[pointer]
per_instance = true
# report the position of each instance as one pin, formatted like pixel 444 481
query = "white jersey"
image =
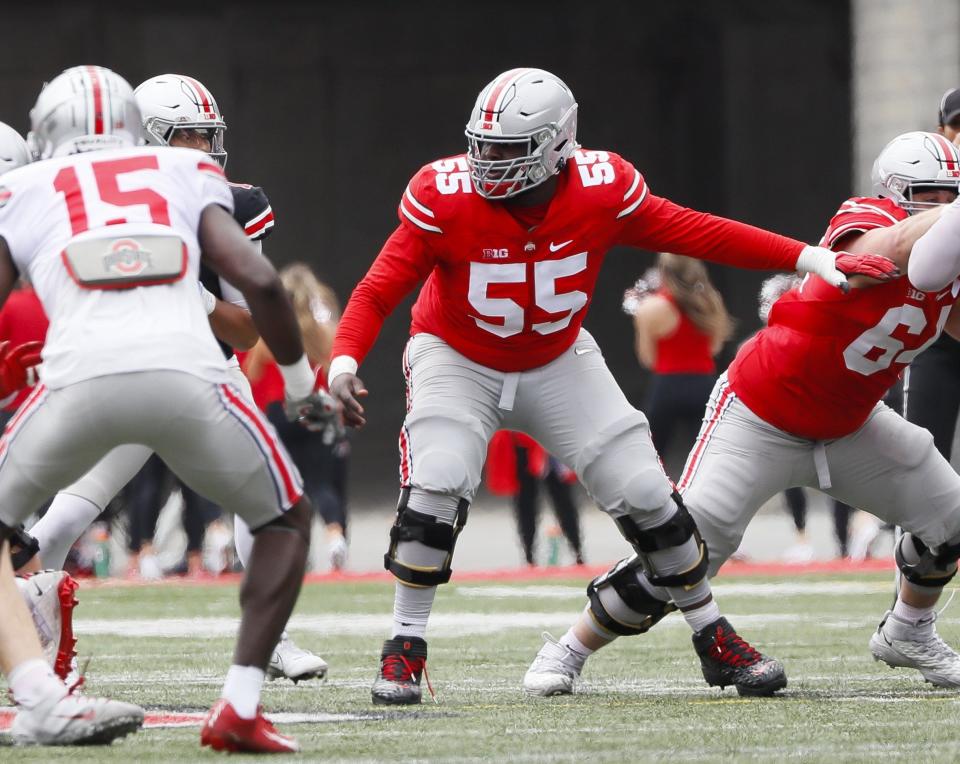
pixel 107 204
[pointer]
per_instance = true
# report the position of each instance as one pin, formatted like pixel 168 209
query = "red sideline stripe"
pixel 289 485
pixel 97 100
pixel 525 573
pixel 10 431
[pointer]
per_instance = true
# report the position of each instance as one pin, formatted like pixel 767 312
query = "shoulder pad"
pixel 861 213
pixel 252 210
pixel 433 192
pixel 610 179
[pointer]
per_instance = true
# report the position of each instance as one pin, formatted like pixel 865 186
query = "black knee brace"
pixel 675 532
pixel 933 569
pixel 429 531
pixel 623 579
pixel 23 546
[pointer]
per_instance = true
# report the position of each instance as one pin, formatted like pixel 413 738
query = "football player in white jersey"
pixel 179 111
pixel 111 236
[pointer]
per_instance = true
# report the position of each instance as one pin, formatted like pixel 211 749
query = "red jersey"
pixel 22 319
pixel 512 298
pixel 686 350
pixel 826 357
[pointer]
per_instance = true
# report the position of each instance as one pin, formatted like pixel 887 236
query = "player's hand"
pixel 877 268
pixel 347 389
pixel 317 412
pixel 834 267
pixel 16 366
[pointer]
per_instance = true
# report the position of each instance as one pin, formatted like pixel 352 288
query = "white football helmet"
pixel 913 162
pixel 529 108
pixel 13 149
pixel 85 108
pixel 177 102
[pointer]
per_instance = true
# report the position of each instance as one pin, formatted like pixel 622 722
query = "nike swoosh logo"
pixel 582 351
pixel 557 247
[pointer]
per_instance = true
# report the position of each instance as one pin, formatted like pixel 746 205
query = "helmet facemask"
pixel 902 189
pixel 160 131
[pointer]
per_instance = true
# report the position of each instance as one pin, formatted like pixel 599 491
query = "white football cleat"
pixel 906 644
pixel 554 671
pixel 51 597
pixel 295 663
pixel 75 720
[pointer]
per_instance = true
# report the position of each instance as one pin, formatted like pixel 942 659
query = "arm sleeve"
pixel 662 226
pixel 935 258
pixel 404 261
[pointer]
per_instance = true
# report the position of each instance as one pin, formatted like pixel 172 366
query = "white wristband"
pixel 821 262
pixel 209 299
pixel 298 379
pixel 342 364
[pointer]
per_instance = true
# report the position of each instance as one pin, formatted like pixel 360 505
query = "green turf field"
pixel 642 698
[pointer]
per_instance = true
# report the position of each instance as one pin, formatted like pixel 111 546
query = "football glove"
pixel 16 366
pixel 318 412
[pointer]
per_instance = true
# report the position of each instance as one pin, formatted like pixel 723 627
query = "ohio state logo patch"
pixel 126 257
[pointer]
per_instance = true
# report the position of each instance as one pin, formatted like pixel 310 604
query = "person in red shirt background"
pixel 22 319
pixel 321 456
pixel 517 466
pixel 678 329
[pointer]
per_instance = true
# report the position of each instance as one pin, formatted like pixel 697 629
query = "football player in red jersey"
pixel 510 238
pixel 800 405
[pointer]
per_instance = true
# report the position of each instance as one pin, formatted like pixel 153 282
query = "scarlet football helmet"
pixel 85 108
pixel 912 162
pixel 529 108
pixel 13 149
pixel 176 102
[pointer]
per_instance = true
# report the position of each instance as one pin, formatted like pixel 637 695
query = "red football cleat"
pixel 224 730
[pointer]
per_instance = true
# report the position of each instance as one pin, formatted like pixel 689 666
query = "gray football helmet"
pixel 915 161
pixel 172 102
pixel 86 108
pixel 13 149
pixel 526 108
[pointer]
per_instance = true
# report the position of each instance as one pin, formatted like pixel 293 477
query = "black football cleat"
pixel 726 659
pixel 403 661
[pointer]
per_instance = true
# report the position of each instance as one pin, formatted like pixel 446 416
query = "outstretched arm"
pixel 659 224
pixel 404 262
pixel 935 258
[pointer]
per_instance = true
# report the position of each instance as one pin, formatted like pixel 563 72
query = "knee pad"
pixel 638 610
pixel 442 450
pixel 296 519
pixel 923 566
pixel 679 531
pixel 621 470
pixel 430 531
pixel 23 546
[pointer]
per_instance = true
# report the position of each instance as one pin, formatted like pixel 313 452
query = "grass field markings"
pixel 449 623
pixel 826 588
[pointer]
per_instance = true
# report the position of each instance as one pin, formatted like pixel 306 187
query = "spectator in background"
pixel 680 324
pixel 516 466
pixel 321 457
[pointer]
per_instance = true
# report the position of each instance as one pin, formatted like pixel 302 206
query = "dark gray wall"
pixel 740 108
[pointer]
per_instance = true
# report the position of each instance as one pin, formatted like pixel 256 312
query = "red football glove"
pixel 15 364
pixel 872 266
